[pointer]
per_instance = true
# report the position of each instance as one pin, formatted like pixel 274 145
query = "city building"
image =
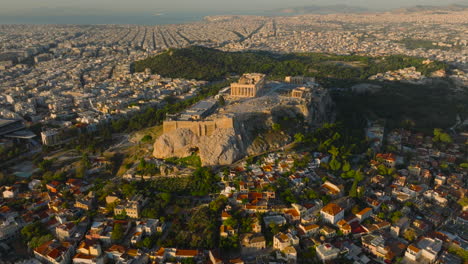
pixel 282 240
pixel 199 111
pixel 50 137
pixel 251 243
pixel 426 249
pixel 364 213
pixel 9 228
pixel 131 207
pixel 332 213
pixel 327 252
pixel 53 252
pixel 65 231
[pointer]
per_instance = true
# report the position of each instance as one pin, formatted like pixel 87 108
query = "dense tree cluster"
pixel 200 229
pixel 147 168
pixel 211 64
pixel 35 234
pixel 117 232
pixel 412 44
pixel 416 107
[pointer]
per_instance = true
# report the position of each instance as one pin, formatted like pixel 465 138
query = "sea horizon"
pixel 135 19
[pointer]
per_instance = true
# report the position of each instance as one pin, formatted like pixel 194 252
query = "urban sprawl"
pixel 79 187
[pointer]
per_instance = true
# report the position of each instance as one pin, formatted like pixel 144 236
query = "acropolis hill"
pixel 223 134
pixel 199 128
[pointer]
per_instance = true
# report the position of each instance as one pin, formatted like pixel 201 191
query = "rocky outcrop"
pixel 251 132
pixel 221 148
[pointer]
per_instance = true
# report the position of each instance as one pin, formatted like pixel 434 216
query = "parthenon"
pixel 248 85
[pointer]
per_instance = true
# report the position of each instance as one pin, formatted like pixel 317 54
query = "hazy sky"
pixel 92 7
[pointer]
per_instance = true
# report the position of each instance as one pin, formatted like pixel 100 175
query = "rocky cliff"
pixel 221 148
pixel 252 132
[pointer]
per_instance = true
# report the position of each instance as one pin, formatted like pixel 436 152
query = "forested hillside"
pixel 211 64
pixel 421 106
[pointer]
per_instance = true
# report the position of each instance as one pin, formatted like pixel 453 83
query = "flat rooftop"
pixel 202 105
pixel 5 122
pixel 10 125
pixel 24 134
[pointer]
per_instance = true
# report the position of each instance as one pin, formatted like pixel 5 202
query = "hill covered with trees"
pixel 422 107
pixel 210 64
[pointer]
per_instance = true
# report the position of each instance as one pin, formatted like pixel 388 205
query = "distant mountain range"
pixel 316 9
pixel 343 8
pixel 421 8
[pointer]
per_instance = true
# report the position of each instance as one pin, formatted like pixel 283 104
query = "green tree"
pixel 203 181
pixel 45 165
pixel 217 204
pixel 39 240
pixel 229 243
pixel 410 234
pixel 128 189
pixel 276 127
pixel 121 216
pixel 346 166
pixel 335 165
pixel 353 192
pixel 221 101
pixel 147 139
pixel 147 242
pixel 395 216
pixel 463 201
pixel 334 151
pixel 359 176
pixel 459 251
pixel 311 194
pixel 85 160
pixel 32 230
pixel 355 209
pixel 35 234
pixel 385 171
pixel 310 255
pixel 299 137
pixel 440 136
pixel 232 222
pixel 288 196
pixel 166 197
pixel 274 228
pixel 117 233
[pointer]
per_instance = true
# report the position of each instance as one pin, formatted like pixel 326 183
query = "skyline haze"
pixel 121 7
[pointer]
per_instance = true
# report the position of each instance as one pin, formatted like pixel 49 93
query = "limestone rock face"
pixel 250 132
pixel 177 144
pixel 223 147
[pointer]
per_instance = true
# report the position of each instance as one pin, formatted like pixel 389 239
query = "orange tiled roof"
pixel 4 209
pixel 342 222
pixel 292 212
pixel 225 214
pixel 186 252
pixel 311 227
pixel 332 209
pixel 413 248
pixel 387 156
pixel 118 248
pixel 364 211
pixel 42 248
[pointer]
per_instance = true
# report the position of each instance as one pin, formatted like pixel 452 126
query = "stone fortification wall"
pixel 199 128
